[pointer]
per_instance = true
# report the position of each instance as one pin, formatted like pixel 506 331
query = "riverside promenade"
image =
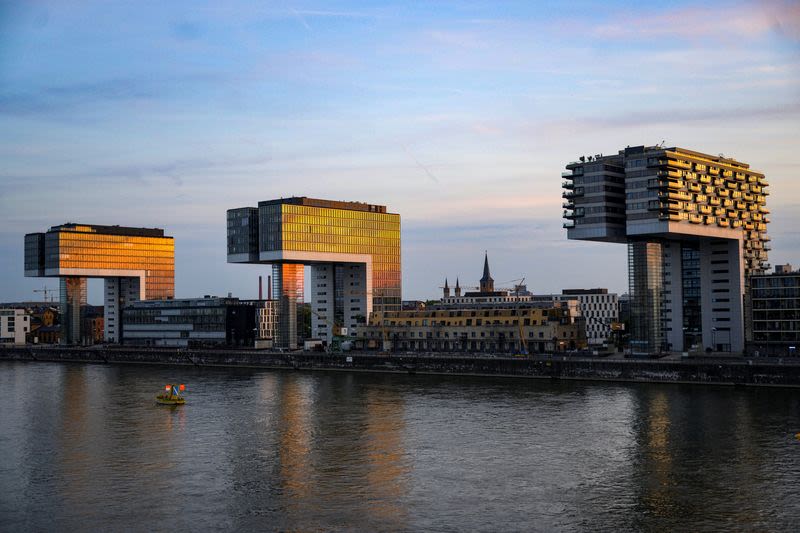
pixel 734 371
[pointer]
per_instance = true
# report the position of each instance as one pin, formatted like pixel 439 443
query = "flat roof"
pixel 109 230
pixel 330 204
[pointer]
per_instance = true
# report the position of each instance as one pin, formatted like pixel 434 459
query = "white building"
pixel 14 325
pixel 599 307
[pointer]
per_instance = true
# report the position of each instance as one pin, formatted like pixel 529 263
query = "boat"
pixel 172 395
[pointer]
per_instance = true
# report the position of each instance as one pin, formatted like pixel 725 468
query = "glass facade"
pixel 310 228
pixel 243 232
pixel 645 286
pixel 140 258
pixel 290 231
pixel 75 247
pixel 191 323
pixel 690 284
pixel 72 304
pixel 287 289
pixel 776 313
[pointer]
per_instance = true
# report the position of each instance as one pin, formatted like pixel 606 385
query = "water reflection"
pixel 296 451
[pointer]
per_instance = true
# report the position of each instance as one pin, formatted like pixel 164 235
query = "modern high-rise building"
pixel 695 225
pixel 135 263
pixel 353 249
pixel 775 306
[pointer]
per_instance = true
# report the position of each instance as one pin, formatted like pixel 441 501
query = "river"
pixel 84 447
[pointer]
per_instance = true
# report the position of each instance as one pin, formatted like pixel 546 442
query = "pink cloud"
pixel 750 21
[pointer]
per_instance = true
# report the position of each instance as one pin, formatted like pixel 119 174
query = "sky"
pixel 458 115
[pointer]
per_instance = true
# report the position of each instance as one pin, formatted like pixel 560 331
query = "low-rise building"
pixel 14 326
pixel 599 307
pixel 502 328
pixel 775 307
pixel 209 321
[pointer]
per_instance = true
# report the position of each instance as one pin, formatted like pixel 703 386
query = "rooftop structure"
pixel 135 263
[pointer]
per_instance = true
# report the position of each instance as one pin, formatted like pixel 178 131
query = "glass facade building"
pixel 321 233
pixel 136 264
pixel 192 322
pixel 775 304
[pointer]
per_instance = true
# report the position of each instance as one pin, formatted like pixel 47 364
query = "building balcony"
pixel 705 179
pixel 723 223
pixel 724 193
pixel 766 246
pixel 680 164
pixel 567 184
pixel 669 174
pixel 568 225
pixel 713 171
pixel 674 195
pixel 571 215
pixel 695 219
pixel 714 201
pixel 572 194
pixel 568 205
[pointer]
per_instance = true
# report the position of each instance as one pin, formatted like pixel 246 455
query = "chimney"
pixel 260 293
pixel 269 287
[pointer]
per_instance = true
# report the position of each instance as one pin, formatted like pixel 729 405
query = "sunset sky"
pixel 458 115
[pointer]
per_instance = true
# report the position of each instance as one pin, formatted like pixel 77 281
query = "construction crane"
pixel 46 291
pixel 337 338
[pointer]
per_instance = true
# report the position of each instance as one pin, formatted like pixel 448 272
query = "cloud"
pixel 47 100
pixel 670 115
pixel 726 23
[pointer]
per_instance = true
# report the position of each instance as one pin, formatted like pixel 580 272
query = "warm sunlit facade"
pixel 136 264
pixel 353 249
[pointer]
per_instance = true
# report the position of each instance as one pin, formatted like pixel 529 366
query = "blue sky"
pixel 458 115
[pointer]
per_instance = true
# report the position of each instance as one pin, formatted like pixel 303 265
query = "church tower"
pixel 446 289
pixel 487 283
pixel 458 289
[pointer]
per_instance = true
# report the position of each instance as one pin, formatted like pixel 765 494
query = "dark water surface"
pixel 83 447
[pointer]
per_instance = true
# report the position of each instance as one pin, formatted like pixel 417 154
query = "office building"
pixel 695 225
pixel 775 303
pixel 353 250
pixel 197 322
pixel 14 326
pixel 135 264
pixel 499 328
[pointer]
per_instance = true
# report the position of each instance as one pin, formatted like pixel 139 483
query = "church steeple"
pixel 487 283
pixel 446 289
pixel 458 289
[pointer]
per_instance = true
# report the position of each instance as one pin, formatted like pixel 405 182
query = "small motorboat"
pixel 172 395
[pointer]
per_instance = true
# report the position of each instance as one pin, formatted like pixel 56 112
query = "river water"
pixel 84 447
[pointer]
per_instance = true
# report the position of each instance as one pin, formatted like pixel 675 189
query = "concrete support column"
pixel 287 289
pixel 72 302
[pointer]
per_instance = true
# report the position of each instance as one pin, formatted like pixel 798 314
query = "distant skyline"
pixel 460 116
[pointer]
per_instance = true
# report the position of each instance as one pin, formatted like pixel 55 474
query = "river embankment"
pixel 716 371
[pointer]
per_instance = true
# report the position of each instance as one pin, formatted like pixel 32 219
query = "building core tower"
pixel 353 249
pixel 695 225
